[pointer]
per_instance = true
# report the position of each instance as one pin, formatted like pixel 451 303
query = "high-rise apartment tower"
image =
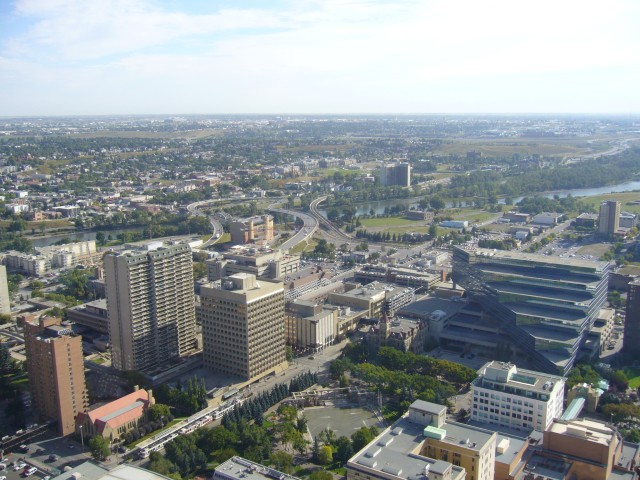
pixel 609 218
pixel 55 367
pixel 395 174
pixel 5 304
pixel 631 339
pixel 151 305
pixel 243 326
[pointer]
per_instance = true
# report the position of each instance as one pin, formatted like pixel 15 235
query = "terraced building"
pixel 546 305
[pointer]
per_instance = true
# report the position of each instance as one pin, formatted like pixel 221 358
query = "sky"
pixel 105 57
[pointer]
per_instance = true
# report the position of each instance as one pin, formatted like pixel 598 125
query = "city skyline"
pixel 107 57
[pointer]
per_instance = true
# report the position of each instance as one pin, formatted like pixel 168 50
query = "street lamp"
pixel 81 438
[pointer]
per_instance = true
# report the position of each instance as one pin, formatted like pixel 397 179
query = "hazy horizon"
pixel 331 57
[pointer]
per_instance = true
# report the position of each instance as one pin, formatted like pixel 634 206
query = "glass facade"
pixel 547 305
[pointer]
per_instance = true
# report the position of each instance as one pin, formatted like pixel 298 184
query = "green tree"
pixel 199 270
pixel 320 475
pixel 75 282
pixel 282 461
pixel 325 456
pixel 363 436
pixel 344 449
pixel 100 238
pixel 161 465
pixel 99 448
pixel 289 353
pixel 157 411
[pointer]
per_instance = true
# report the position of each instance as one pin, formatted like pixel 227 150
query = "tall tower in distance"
pixel 151 305
pixel 243 326
pixel 55 367
pixel 5 304
pixel 631 338
pixel 609 218
pixel 395 174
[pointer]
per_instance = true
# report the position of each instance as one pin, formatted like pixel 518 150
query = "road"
pixel 216 226
pixel 310 226
pixel 618 147
pixel 333 232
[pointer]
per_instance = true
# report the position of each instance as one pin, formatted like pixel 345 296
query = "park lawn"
pixel 473 215
pixel 389 222
pixel 633 374
pixel 623 198
pixel 224 238
pixel 407 229
pixel 304 246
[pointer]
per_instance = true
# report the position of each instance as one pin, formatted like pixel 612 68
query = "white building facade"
pixel 516 398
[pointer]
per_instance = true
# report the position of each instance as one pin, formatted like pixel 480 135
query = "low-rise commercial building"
pixel 263 263
pixel 423 444
pixel 314 325
pixel 238 468
pixel 94 315
pixel 376 297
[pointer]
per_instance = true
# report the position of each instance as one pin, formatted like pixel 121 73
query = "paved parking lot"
pixel 69 452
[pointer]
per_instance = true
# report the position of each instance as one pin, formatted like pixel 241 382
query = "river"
pixel 379 206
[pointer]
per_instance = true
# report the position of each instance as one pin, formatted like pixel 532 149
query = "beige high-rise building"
pixel 609 218
pixel 5 304
pixel 151 305
pixel 243 326
pixel 55 367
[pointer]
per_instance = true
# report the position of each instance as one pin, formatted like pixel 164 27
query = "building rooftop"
pixel 89 471
pixel 241 468
pixel 425 307
pixel 395 452
pixel 534 258
pixel 118 412
pixel 590 430
pixel 508 374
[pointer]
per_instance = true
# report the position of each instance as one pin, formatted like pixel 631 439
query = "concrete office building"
pixel 516 398
pixel 584 449
pixel 547 306
pixel 243 326
pixel 251 230
pixel 5 304
pixel 55 367
pixel 631 339
pixel 151 304
pixel 262 262
pixel 395 174
pixel 310 326
pixel 376 297
pixel 93 315
pixel 608 220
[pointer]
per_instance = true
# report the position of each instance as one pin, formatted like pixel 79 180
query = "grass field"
pixel 623 198
pixel 525 146
pixel 304 246
pixel 390 222
pixel 633 374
